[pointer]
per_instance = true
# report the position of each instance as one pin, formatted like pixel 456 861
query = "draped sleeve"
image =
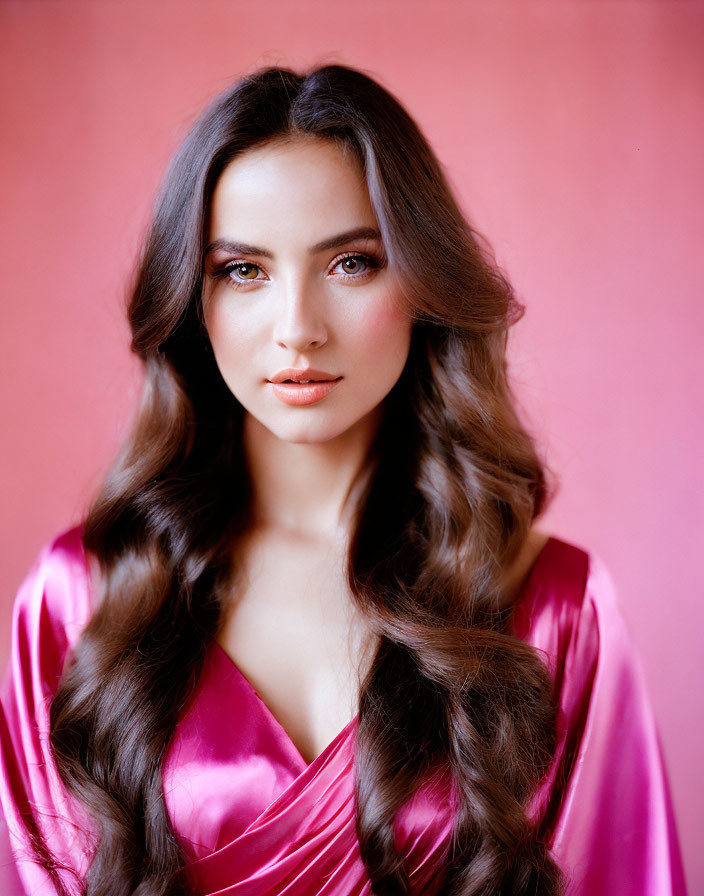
pixel 49 612
pixel 606 809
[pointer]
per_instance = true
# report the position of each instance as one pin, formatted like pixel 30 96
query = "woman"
pixel 308 640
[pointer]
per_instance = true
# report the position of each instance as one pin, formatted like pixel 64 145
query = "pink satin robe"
pixel 254 819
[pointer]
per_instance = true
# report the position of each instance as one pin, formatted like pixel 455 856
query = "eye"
pixel 240 271
pixel 356 267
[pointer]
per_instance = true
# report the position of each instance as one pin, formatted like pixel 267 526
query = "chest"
pixel 254 816
pixel 294 633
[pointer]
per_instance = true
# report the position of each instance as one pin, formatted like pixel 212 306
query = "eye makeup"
pixel 236 271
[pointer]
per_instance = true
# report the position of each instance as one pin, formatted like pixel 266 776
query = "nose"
pixel 299 322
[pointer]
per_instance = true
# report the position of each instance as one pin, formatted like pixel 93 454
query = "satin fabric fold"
pixel 303 839
pixel 253 818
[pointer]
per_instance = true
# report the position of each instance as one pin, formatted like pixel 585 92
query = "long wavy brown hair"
pixel 455 483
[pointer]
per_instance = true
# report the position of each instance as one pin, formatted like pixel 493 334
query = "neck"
pixel 307 488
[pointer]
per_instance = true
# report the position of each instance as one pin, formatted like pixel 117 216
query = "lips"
pixel 308 374
pixel 304 393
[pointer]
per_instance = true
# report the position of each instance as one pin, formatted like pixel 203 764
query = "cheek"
pixel 231 348
pixel 227 331
pixel 385 329
pixel 214 320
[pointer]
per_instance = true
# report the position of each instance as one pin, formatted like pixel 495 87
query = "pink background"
pixel 574 135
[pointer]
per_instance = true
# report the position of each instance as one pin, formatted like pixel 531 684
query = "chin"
pixel 309 433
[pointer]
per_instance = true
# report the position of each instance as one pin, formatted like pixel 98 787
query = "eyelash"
pixel 223 273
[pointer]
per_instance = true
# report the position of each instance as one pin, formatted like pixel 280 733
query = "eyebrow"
pixel 359 233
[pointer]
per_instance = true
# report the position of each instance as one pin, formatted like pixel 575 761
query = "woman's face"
pixel 296 281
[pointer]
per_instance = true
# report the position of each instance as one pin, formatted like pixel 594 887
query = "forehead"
pixel 298 183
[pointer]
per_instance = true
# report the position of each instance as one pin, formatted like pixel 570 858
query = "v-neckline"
pixel 275 723
pixel 526 589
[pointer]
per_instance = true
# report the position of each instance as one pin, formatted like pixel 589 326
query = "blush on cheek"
pixel 384 324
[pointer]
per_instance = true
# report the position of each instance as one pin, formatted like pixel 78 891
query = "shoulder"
pixel 607 783
pixel 53 603
pixel 50 610
pixel 569 608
